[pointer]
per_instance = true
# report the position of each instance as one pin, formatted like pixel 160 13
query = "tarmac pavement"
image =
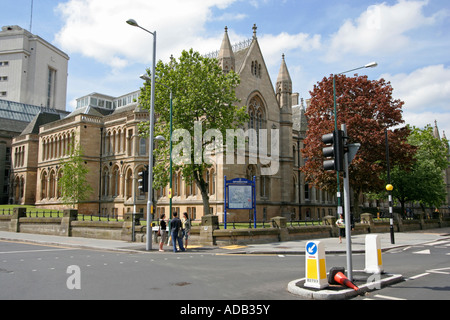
pixel 364 281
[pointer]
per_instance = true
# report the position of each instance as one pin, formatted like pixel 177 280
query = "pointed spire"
pixel 226 55
pixel 436 130
pixel 284 86
pixel 283 75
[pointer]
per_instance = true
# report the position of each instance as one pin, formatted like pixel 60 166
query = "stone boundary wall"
pixel 208 233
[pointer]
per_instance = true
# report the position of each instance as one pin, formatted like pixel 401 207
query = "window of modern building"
pixel 51 88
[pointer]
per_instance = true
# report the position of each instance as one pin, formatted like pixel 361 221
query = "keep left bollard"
pixel 374 260
pixel 315 265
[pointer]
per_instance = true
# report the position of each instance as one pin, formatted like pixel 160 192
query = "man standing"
pixel 176 232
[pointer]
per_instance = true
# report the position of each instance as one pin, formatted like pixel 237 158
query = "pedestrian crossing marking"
pixel 234 247
pixel 423 252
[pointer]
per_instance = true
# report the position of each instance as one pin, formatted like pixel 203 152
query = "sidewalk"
pixel 332 245
pixel 290 247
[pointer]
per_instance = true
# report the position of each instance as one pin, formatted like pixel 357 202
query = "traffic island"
pixel 364 281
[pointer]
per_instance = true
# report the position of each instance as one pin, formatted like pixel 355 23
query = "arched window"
pixel 142 147
pixel 257 113
pixel 106 182
pixel 44 182
pixel 115 182
pixel 129 184
pixel 257 118
pixel 51 193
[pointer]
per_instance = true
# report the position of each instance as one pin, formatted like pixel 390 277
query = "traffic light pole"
pixel 339 207
pixel 347 217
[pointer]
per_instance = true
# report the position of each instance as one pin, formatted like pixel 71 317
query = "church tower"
pixel 284 97
pixel 284 87
pixel 226 55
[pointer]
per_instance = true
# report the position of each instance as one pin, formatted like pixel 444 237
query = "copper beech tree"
pixel 367 108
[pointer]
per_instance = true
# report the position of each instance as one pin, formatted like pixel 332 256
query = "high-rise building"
pixel 32 71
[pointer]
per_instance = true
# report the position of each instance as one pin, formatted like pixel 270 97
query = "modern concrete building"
pixel 32 71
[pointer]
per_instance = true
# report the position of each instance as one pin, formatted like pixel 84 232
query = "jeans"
pixel 175 238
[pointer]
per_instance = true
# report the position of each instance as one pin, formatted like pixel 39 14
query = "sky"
pixel 409 39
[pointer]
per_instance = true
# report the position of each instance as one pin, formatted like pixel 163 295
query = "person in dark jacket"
pixel 176 233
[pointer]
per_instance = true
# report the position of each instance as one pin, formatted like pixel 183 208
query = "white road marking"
pixel 387 297
pixel 30 251
pixel 418 276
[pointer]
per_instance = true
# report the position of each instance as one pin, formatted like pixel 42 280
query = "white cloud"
pixel 426 93
pixel 381 28
pixel 97 28
pixel 273 46
pixel 428 87
pixel 420 120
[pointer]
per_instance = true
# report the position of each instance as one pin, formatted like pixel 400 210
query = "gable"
pixel 255 80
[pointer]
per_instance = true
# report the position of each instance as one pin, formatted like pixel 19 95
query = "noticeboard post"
pixel 240 194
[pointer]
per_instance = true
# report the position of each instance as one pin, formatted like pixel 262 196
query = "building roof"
pixel 40 119
pixel 24 112
pixel 92 111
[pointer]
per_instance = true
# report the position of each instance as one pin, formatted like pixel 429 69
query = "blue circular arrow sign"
pixel 311 248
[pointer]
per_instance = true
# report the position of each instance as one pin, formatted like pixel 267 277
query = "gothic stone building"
pixel 106 128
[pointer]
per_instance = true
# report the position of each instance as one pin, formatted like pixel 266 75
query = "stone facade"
pixel 115 153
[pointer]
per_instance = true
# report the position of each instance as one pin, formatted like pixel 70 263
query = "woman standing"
pixel 341 225
pixel 186 228
pixel 162 230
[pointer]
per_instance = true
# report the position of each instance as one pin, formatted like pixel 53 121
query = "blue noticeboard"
pixel 240 194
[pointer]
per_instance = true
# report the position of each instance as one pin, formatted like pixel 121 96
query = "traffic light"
pixel 335 150
pixel 143 181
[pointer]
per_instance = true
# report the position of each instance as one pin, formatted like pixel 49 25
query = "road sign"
pixel 315 265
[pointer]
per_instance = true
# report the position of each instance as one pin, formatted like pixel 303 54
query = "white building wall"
pixel 29 58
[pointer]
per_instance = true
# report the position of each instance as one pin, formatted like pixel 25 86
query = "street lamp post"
pixel 369 65
pixel 347 216
pixel 145 77
pixel 151 142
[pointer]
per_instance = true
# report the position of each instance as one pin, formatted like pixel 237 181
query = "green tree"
pixel 202 94
pixel 73 184
pixel 424 181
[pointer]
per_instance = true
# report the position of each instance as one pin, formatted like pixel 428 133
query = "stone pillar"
pixel 69 215
pixel 209 224
pixel 128 232
pixel 331 221
pixel 281 224
pixel 367 218
pixel 18 213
